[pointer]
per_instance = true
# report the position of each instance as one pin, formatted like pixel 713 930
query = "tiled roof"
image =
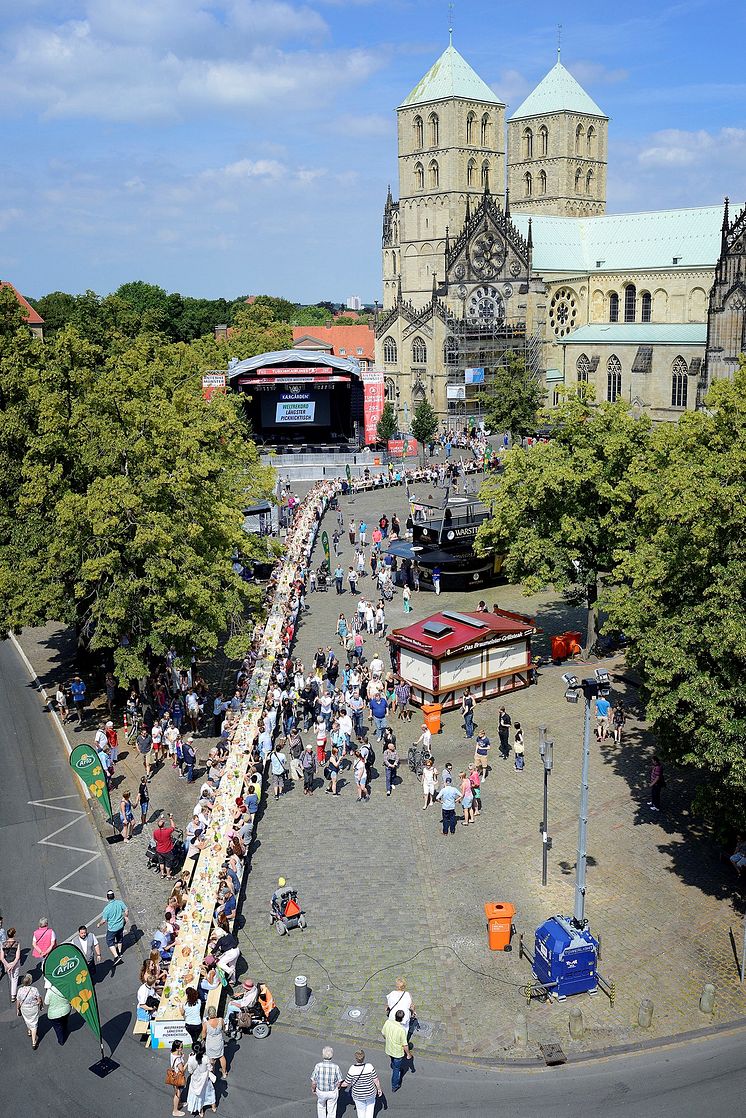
pixel 639 333
pixel 32 317
pixel 450 76
pixel 347 338
pixel 558 92
pixel 624 242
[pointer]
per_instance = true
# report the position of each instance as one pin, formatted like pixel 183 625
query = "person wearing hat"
pixel 244 998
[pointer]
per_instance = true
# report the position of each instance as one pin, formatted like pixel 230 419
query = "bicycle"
pixel 417 758
pixel 133 730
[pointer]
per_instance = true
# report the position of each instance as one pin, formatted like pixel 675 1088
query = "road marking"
pixel 50 805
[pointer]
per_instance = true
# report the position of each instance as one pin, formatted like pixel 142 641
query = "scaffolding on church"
pixel 487 347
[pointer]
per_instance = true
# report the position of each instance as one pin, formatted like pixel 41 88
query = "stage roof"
pixel 294 358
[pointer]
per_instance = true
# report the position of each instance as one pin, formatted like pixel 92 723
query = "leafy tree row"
pixel 649 522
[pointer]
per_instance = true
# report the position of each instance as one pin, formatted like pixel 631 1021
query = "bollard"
pixel 707 1001
pixel 520 1031
pixel 575 1023
pixel 302 993
pixel 645 1014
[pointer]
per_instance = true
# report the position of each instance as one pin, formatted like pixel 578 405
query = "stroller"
pixel 285 912
pixel 178 854
pixel 322 578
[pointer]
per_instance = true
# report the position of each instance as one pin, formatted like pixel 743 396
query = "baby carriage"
pixel 322 578
pixel 285 912
pixel 178 854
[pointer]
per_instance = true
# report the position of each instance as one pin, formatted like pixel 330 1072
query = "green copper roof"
pixel 558 92
pixel 639 333
pixel 450 76
pixel 624 242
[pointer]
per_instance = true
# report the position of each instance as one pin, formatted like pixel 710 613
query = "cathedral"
pixel 499 246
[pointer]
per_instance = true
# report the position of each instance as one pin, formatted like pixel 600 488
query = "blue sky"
pixel 218 147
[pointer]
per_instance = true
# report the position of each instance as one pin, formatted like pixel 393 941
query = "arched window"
pixel 434 129
pixel 471 121
pixel 485 174
pixel 486 128
pixel 630 302
pixel 434 175
pixel 679 383
pixel 613 378
pixel 613 307
pixel 450 351
pixel 528 144
pixel 544 140
pixel 389 389
pixel 646 306
pixel 419 351
pixel 579 137
pixel 471 173
pixel 389 351
pixel 583 367
pixel 419 176
pixel 542 182
pixel 529 184
pixel 419 133
pixel 590 140
pixel 589 183
pixel 578 180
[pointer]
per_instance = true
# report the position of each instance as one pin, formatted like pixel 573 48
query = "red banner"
pixel 396 448
pixel 213 382
pixel 374 397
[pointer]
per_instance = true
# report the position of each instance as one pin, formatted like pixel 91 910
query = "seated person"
pixel 226 952
pixel 244 998
pixel 163 940
pixel 147 999
pixel 210 979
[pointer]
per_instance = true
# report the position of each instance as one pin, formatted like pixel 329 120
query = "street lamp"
pixel 546 751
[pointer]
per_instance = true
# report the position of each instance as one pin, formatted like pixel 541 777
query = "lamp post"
pixel 546 751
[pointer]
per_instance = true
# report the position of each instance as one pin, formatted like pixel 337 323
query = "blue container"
pixel 567 956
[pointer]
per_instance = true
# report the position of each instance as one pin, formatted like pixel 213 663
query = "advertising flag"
pixel 85 762
pixel 374 398
pixel 325 545
pixel 65 967
pixel 348 471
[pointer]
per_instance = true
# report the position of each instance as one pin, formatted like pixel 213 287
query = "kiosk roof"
pixel 444 633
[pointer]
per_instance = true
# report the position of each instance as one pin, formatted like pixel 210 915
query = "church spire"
pixel 468 210
pixel 507 202
pixel 389 198
pixel 448 242
pixel 398 290
pixel 435 286
pixel 530 241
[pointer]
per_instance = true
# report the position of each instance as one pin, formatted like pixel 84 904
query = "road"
pixel 269 1077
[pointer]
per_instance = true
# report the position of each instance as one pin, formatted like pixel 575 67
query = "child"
pixel 518 748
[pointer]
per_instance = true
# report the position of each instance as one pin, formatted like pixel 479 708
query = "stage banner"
pixel 474 376
pixel 84 761
pixel 213 382
pixel 374 397
pixel 403 448
pixel 325 545
pixel 65 967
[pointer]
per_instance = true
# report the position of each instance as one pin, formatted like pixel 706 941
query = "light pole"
pixel 546 750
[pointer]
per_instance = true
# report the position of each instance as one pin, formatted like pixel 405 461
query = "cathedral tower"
pixel 451 143
pixel 557 150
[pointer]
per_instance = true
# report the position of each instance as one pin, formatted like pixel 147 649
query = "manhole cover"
pixel 354 1013
pixel 552 1054
pixel 425 1030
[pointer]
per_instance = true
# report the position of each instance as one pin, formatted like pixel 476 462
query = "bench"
pixel 141 1028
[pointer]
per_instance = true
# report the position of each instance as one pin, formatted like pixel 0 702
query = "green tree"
pixel 424 424
pixel 513 398
pixel 561 509
pixel 142 297
pixel 679 595
pixel 386 428
pixel 130 506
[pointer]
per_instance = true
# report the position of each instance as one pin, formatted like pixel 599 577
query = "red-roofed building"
pixel 356 342
pixel 33 318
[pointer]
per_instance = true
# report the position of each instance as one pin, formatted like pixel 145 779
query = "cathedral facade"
pixel 497 248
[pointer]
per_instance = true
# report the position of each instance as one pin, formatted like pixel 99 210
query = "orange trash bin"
pixel 559 649
pixel 573 642
pixel 431 716
pixel 499 924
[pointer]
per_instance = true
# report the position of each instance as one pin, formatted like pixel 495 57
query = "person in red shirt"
pixel 164 844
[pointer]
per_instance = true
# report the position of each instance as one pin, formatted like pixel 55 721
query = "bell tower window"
pixel 434 129
pixel 471 172
pixel 419 176
pixel 471 122
pixel 529 187
pixel 419 133
pixel 528 144
pixel 542 182
pixel 544 140
pixel 434 175
pixel 486 128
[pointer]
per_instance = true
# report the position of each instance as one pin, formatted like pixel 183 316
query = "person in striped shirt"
pixel 364 1085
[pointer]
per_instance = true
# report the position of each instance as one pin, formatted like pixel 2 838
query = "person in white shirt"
pixel 100 740
pixel 86 942
pixel 400 998
pixel 376 665
pixel 425 738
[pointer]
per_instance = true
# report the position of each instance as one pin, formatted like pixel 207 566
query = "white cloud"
pixel 675 147
pixel 595 73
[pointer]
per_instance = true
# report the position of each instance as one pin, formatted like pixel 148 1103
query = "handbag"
pixel 174 1077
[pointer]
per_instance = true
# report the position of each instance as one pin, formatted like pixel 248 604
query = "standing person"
pixel 603 708
pixel 436 579
pixel 61 700
pixel 481 753
pixel 143 800
pixel 351 531
pixel 406 595
pixel 212 1033
pixel 467 712
pixel 402 692
pixel 379 709
pixel 308 764
pixel 325 1082
pixel 193 1014
pixel 78 689
pixel 176 1075
pixel 201 1090
pixel 518 748
pixel 400 998
pixel 28 1006
pixel 114 916
pixel 42 942
pixel 126 815
pixel 332 769
pixel 58 1011
pixel 429 782
pixel 363 528
pixel 476 787
pixel 425 738
pixel 164 845
pixel 504 723
pixel 364 1085
pixel 10 960
pixel 448 797
pixel 397 1048
pixel 361 777
pixel 657 784
pixel 352 579
pixel 467 799
pixel 88 946
pixel 618 719
pixel 278 765
pixel 390 765
pixel 339 578
pixel 144 745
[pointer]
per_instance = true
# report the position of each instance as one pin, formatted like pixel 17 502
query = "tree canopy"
pixel 513 398
pixel 424 423
pixel 386 428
